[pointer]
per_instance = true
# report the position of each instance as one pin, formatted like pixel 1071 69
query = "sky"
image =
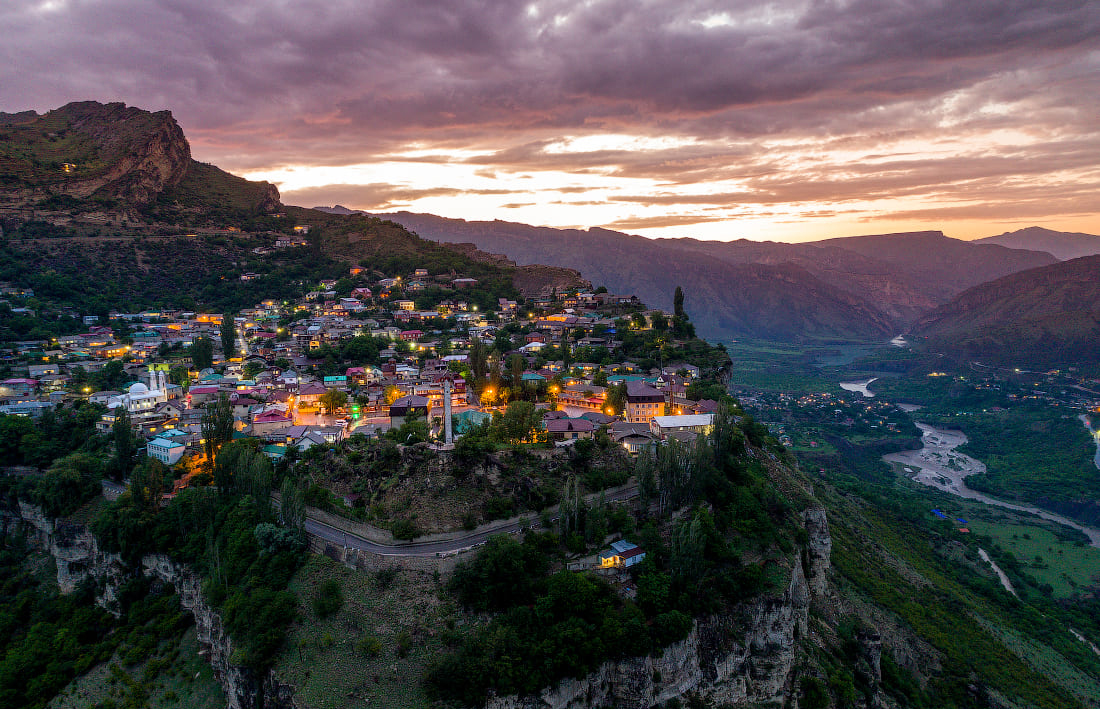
pixel 785 120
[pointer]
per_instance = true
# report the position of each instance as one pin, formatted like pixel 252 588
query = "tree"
pixel 479 360
pixel 516 365
pixel 678 303
pixel 616 398
pixel 229 335
pixel 292 505
pixel 217 426
pixel 202 353
pixel 124 441
pixel 334 399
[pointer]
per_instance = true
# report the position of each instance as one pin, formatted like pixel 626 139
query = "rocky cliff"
pixel 79 557
pixel 747 656
pixel 89 149
pixel 90 158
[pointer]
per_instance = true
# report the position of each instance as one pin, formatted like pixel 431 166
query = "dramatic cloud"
pixel 700 117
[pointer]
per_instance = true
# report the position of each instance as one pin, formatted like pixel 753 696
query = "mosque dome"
pixel 138 388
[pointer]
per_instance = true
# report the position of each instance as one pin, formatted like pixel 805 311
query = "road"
pixel 350 540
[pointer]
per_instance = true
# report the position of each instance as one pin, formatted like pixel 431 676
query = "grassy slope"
pixel 321 658
pixel 906 571
pixel 188 682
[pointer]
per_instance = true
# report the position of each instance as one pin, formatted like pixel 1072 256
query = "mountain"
pixel 106 208
pixel 1045 316
pixel 1063 245
pixel 89 157
pixel 857 287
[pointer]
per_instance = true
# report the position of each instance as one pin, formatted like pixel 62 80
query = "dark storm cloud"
pixel 348 81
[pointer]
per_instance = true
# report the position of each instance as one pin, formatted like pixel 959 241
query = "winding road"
pixel 440 547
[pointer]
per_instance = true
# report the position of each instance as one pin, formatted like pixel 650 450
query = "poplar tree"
pixel 229 335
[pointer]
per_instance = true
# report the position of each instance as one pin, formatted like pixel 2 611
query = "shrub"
pixel 405 529
pixel 369 646
pixel 329 599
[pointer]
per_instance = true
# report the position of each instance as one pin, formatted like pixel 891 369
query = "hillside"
pixel 1043 316
pixel 93 161
pixel 864 287
pixel 1063 245
pixel 103 204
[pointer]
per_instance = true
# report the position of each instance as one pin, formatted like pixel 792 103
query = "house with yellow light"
pixel 622 555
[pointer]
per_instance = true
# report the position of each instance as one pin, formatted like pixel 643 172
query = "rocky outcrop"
pixel 78 557
pixel 135 156
pixel 243 689
pixel 76 553
pixel 818 552
pixel 747 656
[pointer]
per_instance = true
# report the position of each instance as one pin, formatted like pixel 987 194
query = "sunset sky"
pixel 717 120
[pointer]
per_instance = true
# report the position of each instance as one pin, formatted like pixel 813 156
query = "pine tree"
pixel 678 303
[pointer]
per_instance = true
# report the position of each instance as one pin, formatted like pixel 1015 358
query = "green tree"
pixel 229 335
pixel 334 399
pixel 202 353
pixel 616 398
pixel 678 303
pixel 217 426
pixel 479 361
pixel 123 434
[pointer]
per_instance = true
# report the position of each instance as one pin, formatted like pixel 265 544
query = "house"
pixel 165 450
pixel 405 304
pixel 270 421
pixel 464 282
pixel 663 426
pixel 623 554
pixel 643 402
pixel 567 429
pixel 17 387
pixel 408 406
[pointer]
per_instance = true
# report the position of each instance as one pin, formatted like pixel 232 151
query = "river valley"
pixel 937 464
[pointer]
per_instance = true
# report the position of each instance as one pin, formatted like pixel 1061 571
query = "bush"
pixel 405 529
pixel 369 646
pixel 330 599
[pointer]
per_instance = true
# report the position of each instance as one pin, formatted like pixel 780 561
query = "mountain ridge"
pixel 1048 315
pixel 1063 245
pixel 865 287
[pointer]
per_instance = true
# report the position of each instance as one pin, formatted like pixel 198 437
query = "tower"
pixel 448 436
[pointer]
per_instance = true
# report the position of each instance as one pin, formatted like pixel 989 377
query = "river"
pixel 937 464
pixel 860 387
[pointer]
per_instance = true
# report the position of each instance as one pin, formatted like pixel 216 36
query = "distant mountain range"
pixel 1063 245
pixel 862 287
pixel 1043 316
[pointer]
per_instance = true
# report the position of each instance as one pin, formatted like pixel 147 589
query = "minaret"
pixel 448 436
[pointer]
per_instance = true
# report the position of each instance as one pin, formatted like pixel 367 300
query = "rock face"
pixel 78 558
pixel 747 656
pixel 744 657
pixel 243 689
pixel 817 556
pixel 135 155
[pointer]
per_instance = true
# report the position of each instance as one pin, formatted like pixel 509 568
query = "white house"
pixel 166 451
pixel 622 554
pixel 661 426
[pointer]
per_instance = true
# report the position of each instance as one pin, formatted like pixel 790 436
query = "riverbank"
pixel 937 464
